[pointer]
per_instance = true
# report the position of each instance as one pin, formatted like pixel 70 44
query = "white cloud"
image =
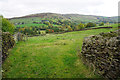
pixel 14 8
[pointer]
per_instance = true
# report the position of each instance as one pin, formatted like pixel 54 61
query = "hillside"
pixel 90 18
pixel 50 56
pixel 55 18
pixel 42 15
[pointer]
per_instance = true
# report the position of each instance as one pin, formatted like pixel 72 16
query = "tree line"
pixel 36 30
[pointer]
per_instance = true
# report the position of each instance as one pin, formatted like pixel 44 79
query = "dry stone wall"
pixel 7 43
pixel 20 37
pixel 102 53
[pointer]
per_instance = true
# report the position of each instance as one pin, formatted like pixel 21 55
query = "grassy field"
pixel 32 24
pixel 29 22
pixel 50 56
pixel 29 25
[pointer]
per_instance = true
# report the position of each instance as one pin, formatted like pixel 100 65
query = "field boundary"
pixel 85 29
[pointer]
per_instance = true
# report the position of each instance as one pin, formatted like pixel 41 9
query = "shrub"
pixel 52 30
pixel 7 26
pixel 49 31
pixel 90 24
pixel 81 26
pixel 69 28
pixel 101 24
pixel 56 29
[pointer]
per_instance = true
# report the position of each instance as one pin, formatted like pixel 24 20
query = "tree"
pixel 76 28
pixel 90 24
pixel 61 29
pixel 107 23
pixel 101 24
pixel 47 23
pixel 66 22
pixel 60 21
pixel 47 31
pixel 7 26
pixel 56 29
pixel 81 26
pixel 73 25
pixel 69 28
pixel 50 26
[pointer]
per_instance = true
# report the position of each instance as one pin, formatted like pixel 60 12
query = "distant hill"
pixel 41 15
pixel 54 17
pixel 90 18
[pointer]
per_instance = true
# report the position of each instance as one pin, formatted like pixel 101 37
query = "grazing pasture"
pixel 50 56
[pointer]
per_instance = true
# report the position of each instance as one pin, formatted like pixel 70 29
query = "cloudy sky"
pixel 16 8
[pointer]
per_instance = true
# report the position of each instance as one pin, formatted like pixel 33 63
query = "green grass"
pixel 29 25
pixel 29 21
pixel 33 24
pixel 50 56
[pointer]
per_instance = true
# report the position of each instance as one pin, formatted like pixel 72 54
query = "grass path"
pixel 50 56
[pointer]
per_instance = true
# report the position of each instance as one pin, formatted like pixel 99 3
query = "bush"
pixel 7 43
pixel 101 24
pixel 49 31
pixel 69 28
pixel 56 29
pixel 90 24
pixel 81 26
pixel 7 26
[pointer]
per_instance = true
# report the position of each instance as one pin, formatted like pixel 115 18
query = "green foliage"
pixel 7 26
pixel 1 16
pixel 76 28
pixel 47 23
pixel 107 23
pixel 66 22
pixel 49 31
pixel 90 24
pixel 101 24
pixel 81 26
pixel 69 28
pixel 56 29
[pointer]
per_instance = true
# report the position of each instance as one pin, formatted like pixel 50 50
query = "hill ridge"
pixel 55 17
